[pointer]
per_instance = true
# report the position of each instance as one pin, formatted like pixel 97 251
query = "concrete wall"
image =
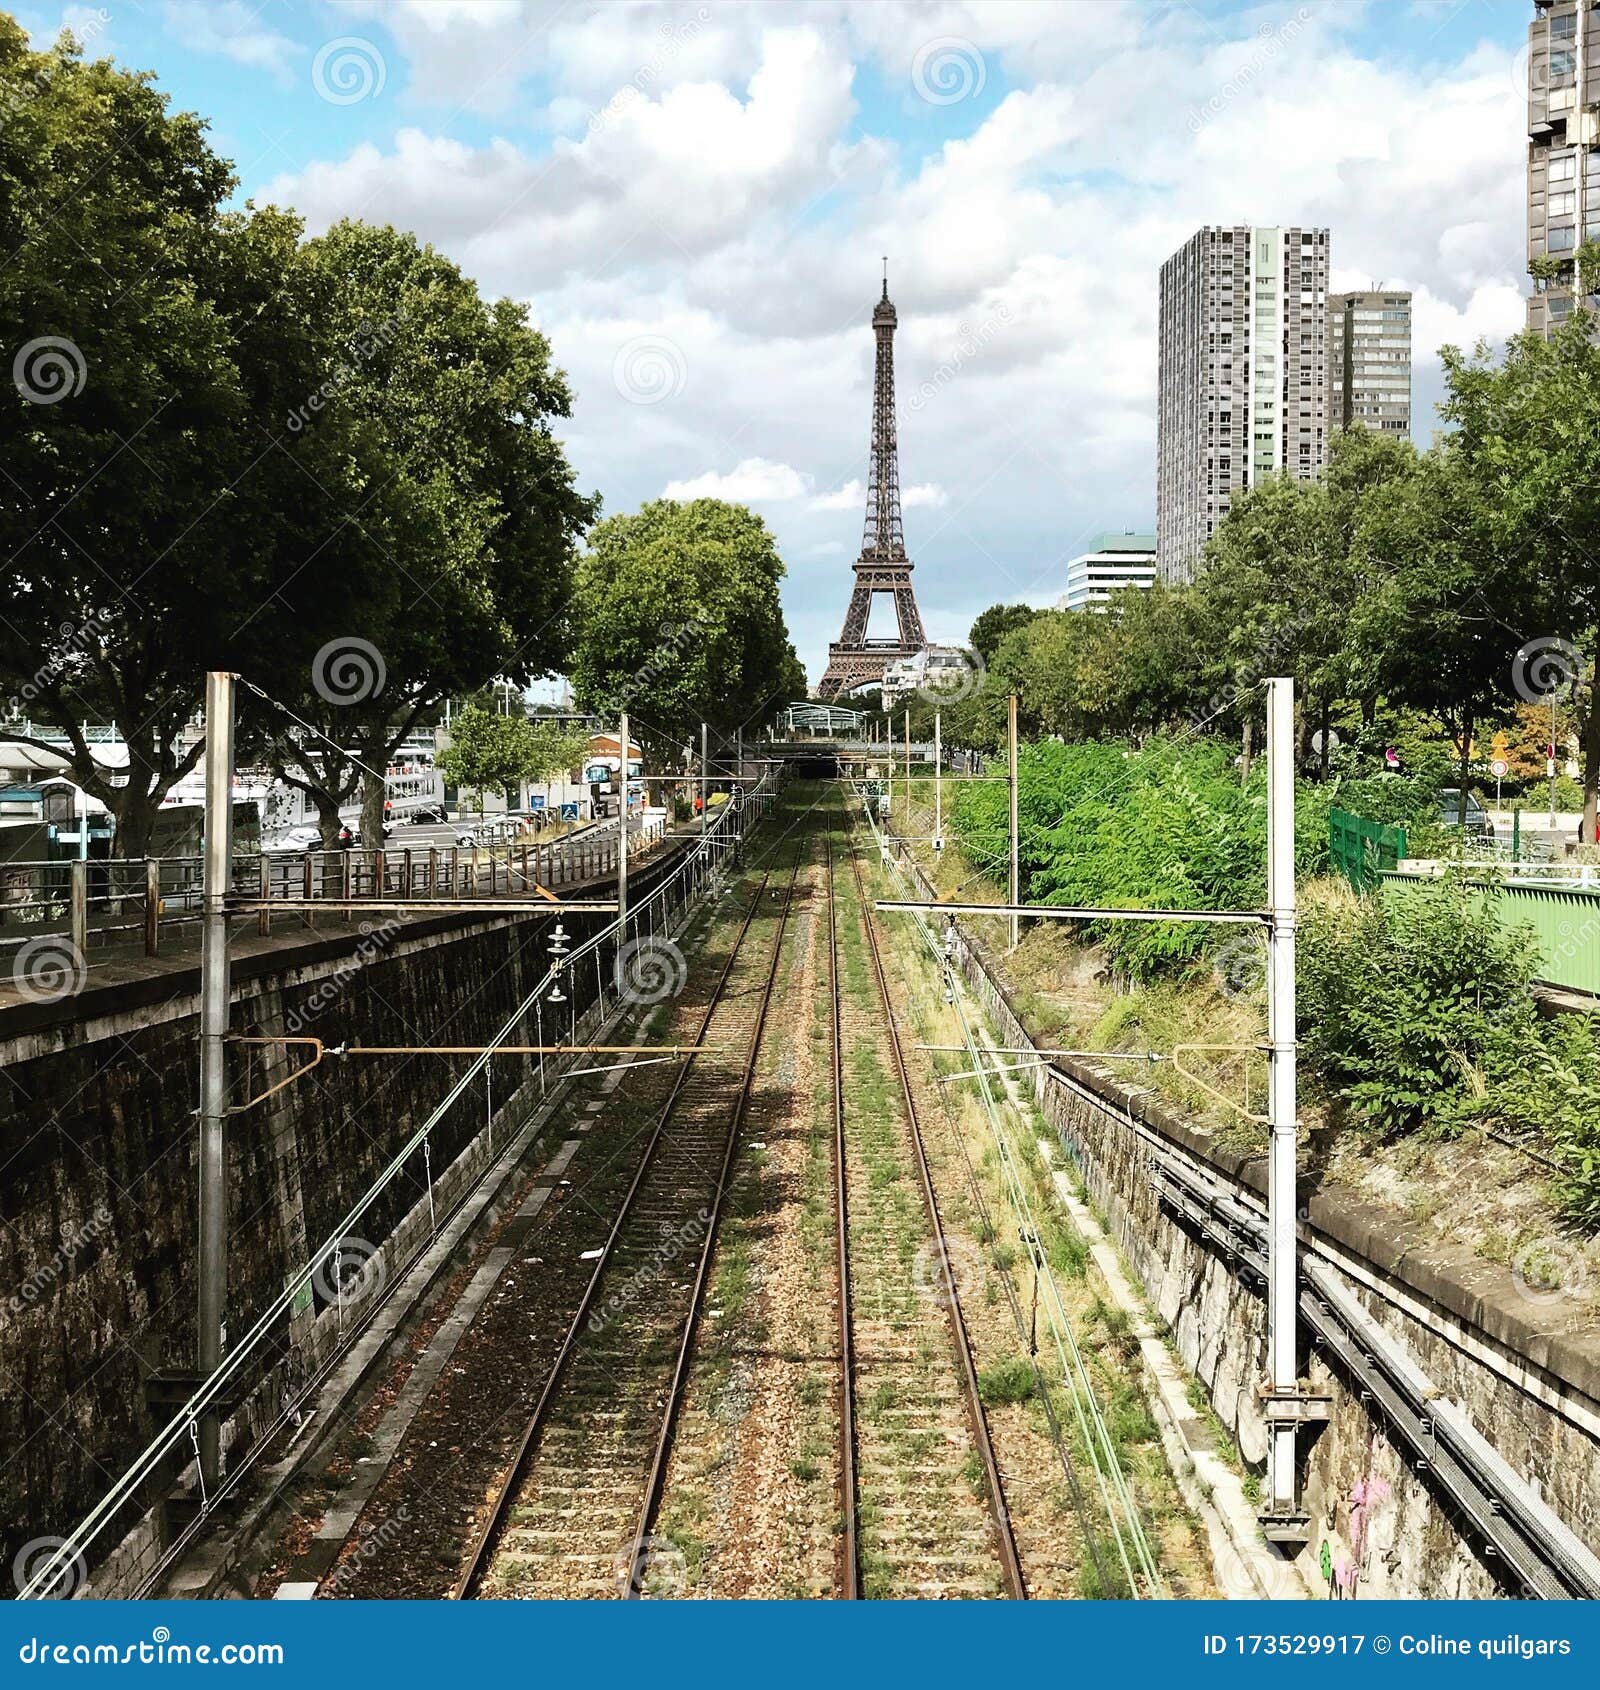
pixel 1525 1366
pixel 98 1189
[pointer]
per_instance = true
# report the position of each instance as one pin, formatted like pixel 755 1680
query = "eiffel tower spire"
pixel 883 566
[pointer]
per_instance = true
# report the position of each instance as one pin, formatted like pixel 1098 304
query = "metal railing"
pixel 686 883
pixel 100 902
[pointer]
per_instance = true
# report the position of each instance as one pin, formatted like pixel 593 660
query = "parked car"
pixel 307 837
pixel 1480 825
pixel 426 815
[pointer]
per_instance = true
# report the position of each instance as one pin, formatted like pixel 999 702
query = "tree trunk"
pixel 373 792
pixel 1466 765
pixel 135 817
pixel 1589 751
pixel 1248 756
pixel 327 819
pixel 1327 730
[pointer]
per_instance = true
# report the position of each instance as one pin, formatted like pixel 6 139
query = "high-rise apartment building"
pixel 1369 361
pixel 1243 376
pixel 1563 150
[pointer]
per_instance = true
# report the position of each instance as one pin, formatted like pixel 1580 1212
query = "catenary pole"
pixel 212 1266
pixel 1011 781
pixel 938 786
pixel 622 837
pixel 1282 1273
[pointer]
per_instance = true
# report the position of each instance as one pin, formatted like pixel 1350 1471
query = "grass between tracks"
pixel 972 1184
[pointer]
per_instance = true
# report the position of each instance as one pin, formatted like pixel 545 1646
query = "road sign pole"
pixel 1282 1272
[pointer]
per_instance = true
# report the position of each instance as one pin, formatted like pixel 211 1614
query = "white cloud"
pixel 752 481
pixel 231 29
pixel 850 497
pixel 708 182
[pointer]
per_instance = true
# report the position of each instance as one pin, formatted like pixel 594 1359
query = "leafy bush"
pixel 1412 1001
pixel 1011 1380
pixel 1166 826
pixel 1416 1008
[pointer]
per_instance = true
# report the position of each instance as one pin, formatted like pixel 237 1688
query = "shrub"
pixel 1011 1380
pixel 1411 1001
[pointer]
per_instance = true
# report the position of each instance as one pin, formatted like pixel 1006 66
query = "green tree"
pixel 676 618
pixel 993 624
pixel 491 751
pixel 155 517
pixel 1284 575
pixel 1439 630
pixel 455 396
pixel 1528 437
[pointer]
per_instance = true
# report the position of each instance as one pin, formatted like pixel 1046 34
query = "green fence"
pixel 1362 850
pixel 1565 923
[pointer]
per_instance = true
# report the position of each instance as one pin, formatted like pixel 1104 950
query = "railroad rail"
pixel 850 1588
pixel 885 1459
pixel 1539 1556
pixel 624 1360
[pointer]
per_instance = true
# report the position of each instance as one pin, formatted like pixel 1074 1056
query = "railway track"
pixel 924 1505
pixel 572 1514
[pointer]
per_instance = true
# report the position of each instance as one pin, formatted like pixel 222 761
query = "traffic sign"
pixel 1498 767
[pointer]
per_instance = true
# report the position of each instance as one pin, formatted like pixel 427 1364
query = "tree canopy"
pixel 676 617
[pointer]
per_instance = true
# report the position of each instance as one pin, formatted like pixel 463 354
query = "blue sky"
pixel 693 198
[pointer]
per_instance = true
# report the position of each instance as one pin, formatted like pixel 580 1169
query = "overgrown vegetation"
pixel 1417 1014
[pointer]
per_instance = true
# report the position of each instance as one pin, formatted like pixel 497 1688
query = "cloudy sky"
pixel 693 199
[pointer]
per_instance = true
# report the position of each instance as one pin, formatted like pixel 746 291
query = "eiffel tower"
pixel 883 567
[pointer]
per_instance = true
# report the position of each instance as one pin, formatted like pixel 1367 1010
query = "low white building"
pixel 1113 562
pixel 935 668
